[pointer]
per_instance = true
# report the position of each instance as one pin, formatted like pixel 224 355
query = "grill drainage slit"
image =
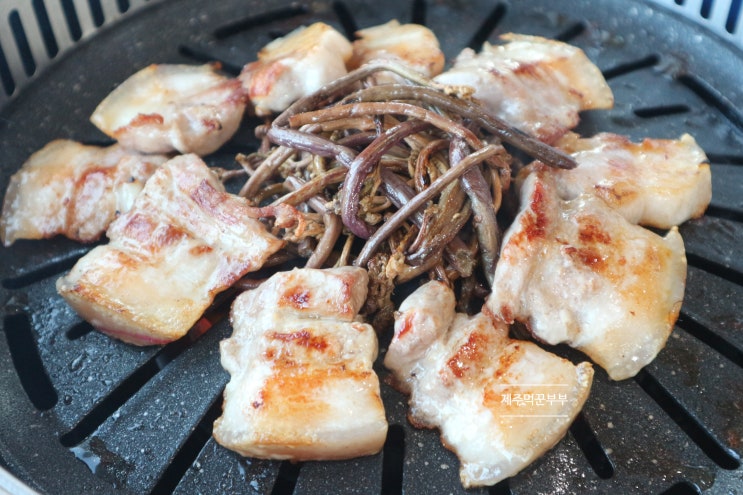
pixel 345 17
pixel 203 56
pixel 259 20
pixel 393 461
pixel 715 268
pixel 500 488
pixel 724 213
pixel 720 454
pixel 725 159
pixel 593 450
pixel 629 67
pixel 189 452
pixel 123 392
pixel 683 488
pixel 660 111
pixel 21 41
pixel 25 356
pixel 286 479
pixel 713 98
pixel 572 32
pixel 79 330
pixel 42 272
pixel 715 341
pixel 418 12
pixel 487 27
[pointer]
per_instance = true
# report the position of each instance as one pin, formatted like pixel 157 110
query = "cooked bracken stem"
pixel 362 166
pixel 470 110
pixel 485 221
pixel 420 199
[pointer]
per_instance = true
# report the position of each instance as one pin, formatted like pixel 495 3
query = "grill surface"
pixel 82 413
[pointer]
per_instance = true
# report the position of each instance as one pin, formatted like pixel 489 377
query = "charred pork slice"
pixel 499 403
pixel 578 272
pixel 74 190
pixel 302 385
pixel 184 241
pixel 656 182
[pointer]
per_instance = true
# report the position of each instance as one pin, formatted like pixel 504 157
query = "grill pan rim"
pixel 49 425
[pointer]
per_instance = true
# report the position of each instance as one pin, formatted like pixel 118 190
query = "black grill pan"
pixel 81 413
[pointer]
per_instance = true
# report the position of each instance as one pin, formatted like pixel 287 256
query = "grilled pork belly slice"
pixel 657 182
pixel 577 272
pixel 302 385
pixel 411 45
pixel 294 66
pixel 172 107
pixel 499 403
pixel 184 240
pixel 535 84
pixel 72 189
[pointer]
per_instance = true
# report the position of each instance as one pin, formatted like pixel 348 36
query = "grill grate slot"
pixel 715 341
pixel 28 364
pixel 40 273
pixel 661 111
pixel 286 479
pixel 713 98
pixel 488 26
pixel 683 488
pixel 346 18
pixel 715 450
pixel 591 447
pixel 393 463
pixel 632 66
pixel 188 454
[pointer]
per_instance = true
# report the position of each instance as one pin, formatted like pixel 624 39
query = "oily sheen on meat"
pixel 184 240
pixel 73 189
pixel 302 385
pixel 499 403
pixel 578 272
